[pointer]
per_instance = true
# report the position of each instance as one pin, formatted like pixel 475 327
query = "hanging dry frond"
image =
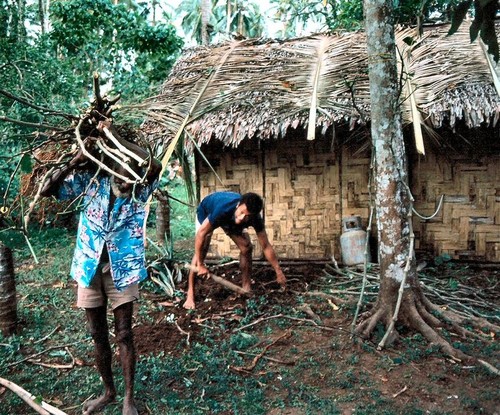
pixel 262 88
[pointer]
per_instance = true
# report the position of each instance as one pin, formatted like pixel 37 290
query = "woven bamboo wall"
pixel 468 224
pixel 301 189
pixel 355 176
pixel 308 189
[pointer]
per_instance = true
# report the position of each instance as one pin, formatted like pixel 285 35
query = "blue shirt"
pixel 120 229
pixel 220 207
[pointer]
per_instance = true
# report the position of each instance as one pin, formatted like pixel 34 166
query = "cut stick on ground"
pixel 271 359
pixel 400 392
pixel 228 284
pixel 43 408
pixel 225 283
pixel 247 369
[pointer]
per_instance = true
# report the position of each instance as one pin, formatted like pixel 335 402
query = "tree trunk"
pixel 18 14
pixel 41 14
pixel 393 200
pixel 154 3
pixel 162 218
pixel 228 16
pixel 8 304
pixel 206 10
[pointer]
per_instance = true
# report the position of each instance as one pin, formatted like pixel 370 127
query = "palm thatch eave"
pixel 261 88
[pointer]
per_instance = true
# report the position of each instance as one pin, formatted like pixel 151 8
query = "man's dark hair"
pixel 253 202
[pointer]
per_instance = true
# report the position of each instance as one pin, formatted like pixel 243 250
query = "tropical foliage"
pixel 50 63
pixel 485 14
pixel 348 15
pixel 225 19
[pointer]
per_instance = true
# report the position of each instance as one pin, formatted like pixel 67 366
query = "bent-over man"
pixel 234 213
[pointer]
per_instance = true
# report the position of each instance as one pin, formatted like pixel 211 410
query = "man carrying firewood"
pixel 234 213
pixel 109 258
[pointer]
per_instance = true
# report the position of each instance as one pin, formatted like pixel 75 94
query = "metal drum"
pixel 352 241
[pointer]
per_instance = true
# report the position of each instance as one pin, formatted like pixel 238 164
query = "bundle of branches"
pixel 88 138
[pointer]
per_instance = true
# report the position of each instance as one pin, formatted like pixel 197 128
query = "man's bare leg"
pixel 124 338
pixel 245 246
pixel 98 326
pixel 189 304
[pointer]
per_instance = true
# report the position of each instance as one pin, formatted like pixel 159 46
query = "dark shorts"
pixel 101 289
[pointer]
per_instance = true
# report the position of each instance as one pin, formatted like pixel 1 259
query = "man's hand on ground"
pixel 281 279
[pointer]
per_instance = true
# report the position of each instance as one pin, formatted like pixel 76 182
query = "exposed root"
pixel 491 368
pixel 428 317
pixel 413 319
pixel 455 319
pixel 416 313
pixel 424 306
pixel 369 321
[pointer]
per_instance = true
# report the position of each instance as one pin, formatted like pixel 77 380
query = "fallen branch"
pixel 52 365
pixel 306 308
pixel 56 365
pixel 47 336
pixel 259 320
pixel 183 332
pixel 40 353
pixel 271 359
pixel 321 294
pixel 302 320
pixel 489 366
pixel 43 408
pixel 400 392
pixel 259 356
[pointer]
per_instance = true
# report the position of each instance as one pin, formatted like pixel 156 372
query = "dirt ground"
pixel 431 381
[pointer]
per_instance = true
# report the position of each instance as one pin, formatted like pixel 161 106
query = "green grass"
pixel 327 378
pixel 197 382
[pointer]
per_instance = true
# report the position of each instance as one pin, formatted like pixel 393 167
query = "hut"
pixel 290 120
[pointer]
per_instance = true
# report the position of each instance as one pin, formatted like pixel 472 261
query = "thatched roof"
pixel 255 87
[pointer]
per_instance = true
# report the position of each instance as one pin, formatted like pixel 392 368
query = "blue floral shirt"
pixel 122 230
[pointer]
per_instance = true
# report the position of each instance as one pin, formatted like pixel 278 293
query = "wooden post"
pixel 162 218
pixel 8 302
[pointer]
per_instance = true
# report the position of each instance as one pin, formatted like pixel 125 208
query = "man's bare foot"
pixel 97 404
pixel 129 407
pixel 189 304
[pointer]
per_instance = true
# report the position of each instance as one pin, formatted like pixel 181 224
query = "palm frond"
pixel 262 88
